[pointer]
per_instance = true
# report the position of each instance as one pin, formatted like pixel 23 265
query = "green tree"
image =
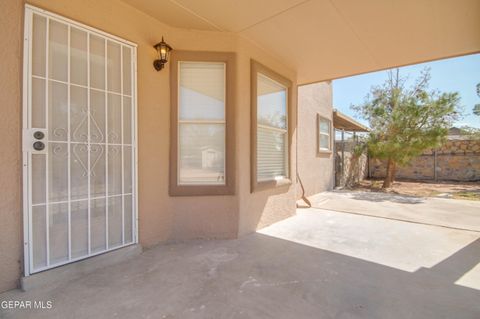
pixel 405 121
pixel 476 108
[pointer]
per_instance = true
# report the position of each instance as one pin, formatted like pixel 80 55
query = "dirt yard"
pixel 463 190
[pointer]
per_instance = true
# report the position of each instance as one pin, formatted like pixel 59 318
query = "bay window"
pixel 271 95
pixel 202 125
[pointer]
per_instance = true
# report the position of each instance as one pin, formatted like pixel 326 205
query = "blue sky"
pixel 456 74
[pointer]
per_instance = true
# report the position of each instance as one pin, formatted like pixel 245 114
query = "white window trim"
pixel 320 133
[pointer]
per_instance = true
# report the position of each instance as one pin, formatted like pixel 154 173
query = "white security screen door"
pixel 79 141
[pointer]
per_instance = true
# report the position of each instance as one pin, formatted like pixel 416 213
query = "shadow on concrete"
pixel 260 276
pixel 386 197
pixel 340 286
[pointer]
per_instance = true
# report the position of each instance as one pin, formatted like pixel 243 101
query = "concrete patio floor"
pixel 317 264
pixel 454 213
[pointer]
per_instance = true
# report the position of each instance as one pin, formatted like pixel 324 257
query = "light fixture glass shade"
pixel 163 53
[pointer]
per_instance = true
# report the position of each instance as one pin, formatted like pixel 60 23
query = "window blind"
pixel 201 123
pixel 272 133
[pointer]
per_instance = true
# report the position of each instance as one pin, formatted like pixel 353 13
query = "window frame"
pixel 175 188
pixel 319 133
pixel 255 69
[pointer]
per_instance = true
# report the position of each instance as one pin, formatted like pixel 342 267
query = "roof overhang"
pixel 344 122
pixel 328 39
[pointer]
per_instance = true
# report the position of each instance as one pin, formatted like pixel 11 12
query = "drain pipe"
pixel 299 180
pixel 304 198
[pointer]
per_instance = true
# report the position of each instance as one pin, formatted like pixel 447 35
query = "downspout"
pixel 303 197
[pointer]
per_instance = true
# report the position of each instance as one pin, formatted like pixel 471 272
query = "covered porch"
pixel 285 44
pixel 319 263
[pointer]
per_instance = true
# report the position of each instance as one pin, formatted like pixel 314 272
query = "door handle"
pixel 35 140
pixel 39 146
pixel 39 135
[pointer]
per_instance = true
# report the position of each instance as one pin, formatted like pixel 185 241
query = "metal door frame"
pixel 26 155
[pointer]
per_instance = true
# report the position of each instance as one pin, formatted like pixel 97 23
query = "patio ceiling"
pixel 328 39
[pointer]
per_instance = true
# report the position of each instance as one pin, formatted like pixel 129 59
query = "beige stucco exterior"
pixel 11 28
pixel 255 31
pixel 315 169
pixel 161 217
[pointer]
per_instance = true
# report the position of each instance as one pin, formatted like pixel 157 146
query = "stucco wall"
pixel 161 217
pixel 316 170
pixel 260 208
pixel 11 28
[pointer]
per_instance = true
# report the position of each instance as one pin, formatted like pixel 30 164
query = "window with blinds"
pixel 272 129
pixel 201 123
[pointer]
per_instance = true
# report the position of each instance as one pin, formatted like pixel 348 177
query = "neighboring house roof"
pixel 344 122
pixel 456 131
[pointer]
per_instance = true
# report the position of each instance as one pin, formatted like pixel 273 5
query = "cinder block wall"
pixel 456 160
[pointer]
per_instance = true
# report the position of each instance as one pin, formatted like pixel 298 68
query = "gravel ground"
pixel 464 190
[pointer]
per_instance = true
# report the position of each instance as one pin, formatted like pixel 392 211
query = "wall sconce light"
pixel 163 52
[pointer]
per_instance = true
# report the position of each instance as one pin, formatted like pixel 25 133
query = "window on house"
pixel 201 123
pixel 270 126
pixel 324 138
pixel 201 129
